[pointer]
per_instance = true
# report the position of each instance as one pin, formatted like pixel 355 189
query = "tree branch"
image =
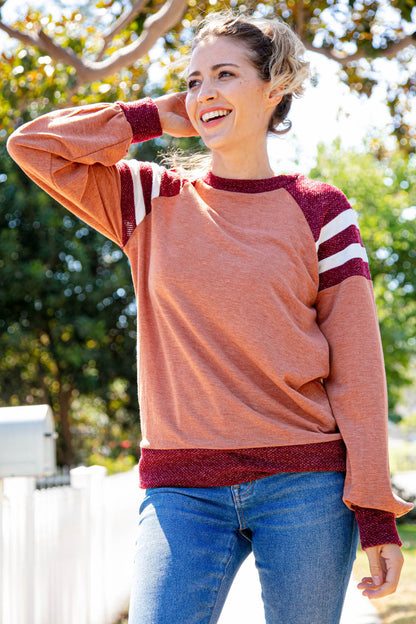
pixel 300 19
pixel 398 46
pixel 16 34
pixel 156 25
pixel 46 44
pixel 123 21
pixel 334 55
pixel 66 55
pixel 344 59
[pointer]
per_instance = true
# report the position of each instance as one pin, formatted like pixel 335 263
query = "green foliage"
pixel 122 463
pixel 384 194
pixel 32 83
pixel 67 318
pixel 107 428
pixel 402 455
pixel 354 33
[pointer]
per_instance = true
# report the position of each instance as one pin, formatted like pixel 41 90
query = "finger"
pixel 388 587
pixel 178 125
pixel 365 581
pixel 179 104
pixel 394 569
pixel 368 581
pixel 367 586
pixel 183 131
pixel 376 565
pixel 379 592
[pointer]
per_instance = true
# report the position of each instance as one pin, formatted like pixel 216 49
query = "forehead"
pixel 216 51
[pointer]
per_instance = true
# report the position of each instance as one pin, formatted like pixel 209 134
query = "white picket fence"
pixel 66 553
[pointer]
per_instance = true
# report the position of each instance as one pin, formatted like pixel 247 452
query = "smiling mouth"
pixel 206 117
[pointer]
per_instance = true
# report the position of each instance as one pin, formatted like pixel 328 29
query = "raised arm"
pixel 73 154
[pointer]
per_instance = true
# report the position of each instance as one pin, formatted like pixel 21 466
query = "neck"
pixel 242 165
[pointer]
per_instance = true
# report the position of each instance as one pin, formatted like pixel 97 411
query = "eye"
pixel 225 74
pixel 193 83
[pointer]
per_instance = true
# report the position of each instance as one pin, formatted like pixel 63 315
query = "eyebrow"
pixel 214 68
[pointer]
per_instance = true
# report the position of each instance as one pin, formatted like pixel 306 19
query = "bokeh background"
pixel 67 309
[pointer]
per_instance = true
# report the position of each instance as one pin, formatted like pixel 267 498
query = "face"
pixel 227 102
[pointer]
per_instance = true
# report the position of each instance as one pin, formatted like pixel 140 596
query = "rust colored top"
pixel 258 343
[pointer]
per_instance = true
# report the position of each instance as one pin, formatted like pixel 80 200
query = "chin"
pixel 216 144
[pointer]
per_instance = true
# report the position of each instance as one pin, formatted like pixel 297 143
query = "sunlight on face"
pixel 227 102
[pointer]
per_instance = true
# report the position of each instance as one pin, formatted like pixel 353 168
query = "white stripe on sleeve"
pixel 157 178
pixel 338 259
pixel 139 205
pixel 338 224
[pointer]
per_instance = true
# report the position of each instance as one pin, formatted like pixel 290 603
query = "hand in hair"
pixel 173 116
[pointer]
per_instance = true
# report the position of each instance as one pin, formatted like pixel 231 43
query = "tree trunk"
pixel 65 448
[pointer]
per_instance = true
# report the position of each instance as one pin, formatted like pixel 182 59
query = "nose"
pixel 206 92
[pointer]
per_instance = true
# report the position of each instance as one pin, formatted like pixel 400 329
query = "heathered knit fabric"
pixel 258 343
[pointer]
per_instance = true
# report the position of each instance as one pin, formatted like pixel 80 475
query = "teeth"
pixel 215 114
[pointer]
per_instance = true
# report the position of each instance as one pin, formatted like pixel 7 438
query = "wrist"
pixel 143 117
pixel 376 527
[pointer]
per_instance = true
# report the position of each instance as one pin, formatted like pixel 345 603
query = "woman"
pixel 261 379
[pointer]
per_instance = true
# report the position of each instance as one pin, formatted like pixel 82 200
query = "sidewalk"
pixel 244 603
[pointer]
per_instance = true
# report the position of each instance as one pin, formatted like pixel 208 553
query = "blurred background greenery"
pixel 67 318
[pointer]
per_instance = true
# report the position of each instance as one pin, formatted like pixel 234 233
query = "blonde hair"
pixel 277 54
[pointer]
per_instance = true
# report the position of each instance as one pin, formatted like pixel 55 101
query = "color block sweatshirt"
pixel 258 342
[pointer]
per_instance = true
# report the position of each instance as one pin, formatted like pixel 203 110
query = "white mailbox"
pixel 27 441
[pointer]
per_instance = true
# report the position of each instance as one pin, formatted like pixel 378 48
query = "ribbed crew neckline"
pixel 248 186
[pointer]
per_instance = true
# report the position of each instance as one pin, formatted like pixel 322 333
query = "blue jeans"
pixel 192 541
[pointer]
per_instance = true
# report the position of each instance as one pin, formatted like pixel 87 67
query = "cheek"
pixel 244 94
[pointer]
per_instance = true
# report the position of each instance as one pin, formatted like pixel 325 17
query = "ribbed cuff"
pixel 143 117
pixel 376 527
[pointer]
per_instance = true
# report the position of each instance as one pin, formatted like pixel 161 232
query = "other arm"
pixel 357 392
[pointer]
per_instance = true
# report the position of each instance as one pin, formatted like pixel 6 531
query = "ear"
pixel 274 96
